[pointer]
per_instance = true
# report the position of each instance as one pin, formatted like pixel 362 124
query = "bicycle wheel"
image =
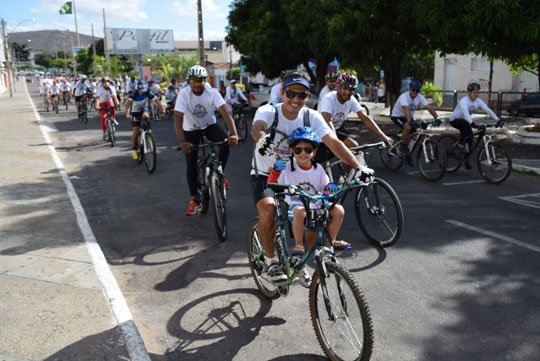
pixel 499 165
pixel 431 160
pixel 219 204
pixel 56 104
pixel 111 132
pixel 66 102
pixel 390 156
pixel 379 213
pixel 150 156
pixel 202 187
pixel 256 262
pixel 453 155
pixel 48 104
pixel 241 127
pixel 340 315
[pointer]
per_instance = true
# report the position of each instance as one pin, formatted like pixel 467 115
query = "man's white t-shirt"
pixel 45 88
pixel 312 180
pixel 412 103
pixel 55 89
pixel 198 110
pixel 65 86
pixel 170 96
pixel 284 129
pixel 275 94
pixel 105 95
pixel 466 107
pixel 233 95
pixel 339 112
pixel 80 88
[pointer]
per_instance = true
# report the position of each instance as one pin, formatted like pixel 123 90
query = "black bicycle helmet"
pixel 348 80
pixel 331 75
pixel 473 86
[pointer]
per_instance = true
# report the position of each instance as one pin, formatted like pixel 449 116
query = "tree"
pixel 43 59
pixel 22 51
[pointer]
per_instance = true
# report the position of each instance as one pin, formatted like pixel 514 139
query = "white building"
pixel 454 72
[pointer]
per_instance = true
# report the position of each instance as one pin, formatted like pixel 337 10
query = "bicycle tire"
pixel 110 132
pixel 150 156
pixel 202 187
pixel 55 105
pixel 390 156
pixel 256 262
pixel 346 334
pixel 66 103
pixel 219 204
pixel 501 168
pixel 379 213
pixel 434 167
pixel 140 148
pixel 453 156
pixel 241 128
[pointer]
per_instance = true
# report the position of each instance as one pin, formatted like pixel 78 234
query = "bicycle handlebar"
pixel 380 145
pixel 208 144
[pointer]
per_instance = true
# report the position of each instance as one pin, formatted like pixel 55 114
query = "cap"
pixel 233 81
pixel 295 80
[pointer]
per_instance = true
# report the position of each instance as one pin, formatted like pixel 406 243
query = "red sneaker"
pixel 194 208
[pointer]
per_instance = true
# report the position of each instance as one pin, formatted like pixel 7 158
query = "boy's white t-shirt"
pixel 339 112
pixel 312 180
pixel 104 95
pixel 284 129
pixel 412 103
pixel 198 110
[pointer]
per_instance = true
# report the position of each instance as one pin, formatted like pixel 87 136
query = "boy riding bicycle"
pixel 303 171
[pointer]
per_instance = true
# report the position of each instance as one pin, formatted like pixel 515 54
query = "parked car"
pixel 258 98
pixel 528 105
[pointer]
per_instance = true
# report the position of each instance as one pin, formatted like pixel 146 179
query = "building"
pixel 454 72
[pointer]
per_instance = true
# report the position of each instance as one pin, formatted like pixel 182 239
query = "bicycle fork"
pixel 490 151
pixel 323 275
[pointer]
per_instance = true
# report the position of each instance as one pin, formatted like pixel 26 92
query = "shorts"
pixel 291 210
pixel 136 119
pixel 78 98
pixel 259 189
pixel 323 153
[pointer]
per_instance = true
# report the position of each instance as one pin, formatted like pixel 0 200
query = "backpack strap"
pixel 306 118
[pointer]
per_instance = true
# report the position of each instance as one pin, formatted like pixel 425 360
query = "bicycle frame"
pixel 143 130
pixel 357 151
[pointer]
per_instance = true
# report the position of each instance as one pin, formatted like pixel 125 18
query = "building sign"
pixel 140 41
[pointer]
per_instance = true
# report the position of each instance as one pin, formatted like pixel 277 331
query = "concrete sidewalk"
pixel 54 303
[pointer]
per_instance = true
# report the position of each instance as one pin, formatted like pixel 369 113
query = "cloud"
pixel 188 8
pixel 208 35
pixel 114 9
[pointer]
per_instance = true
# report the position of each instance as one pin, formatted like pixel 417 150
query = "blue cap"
pixel 295 80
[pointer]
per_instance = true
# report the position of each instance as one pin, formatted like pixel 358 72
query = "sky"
pixel 179 16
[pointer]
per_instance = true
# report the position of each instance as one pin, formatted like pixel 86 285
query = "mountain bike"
pixel 55 103
pixel 110 124
pixel 430 158
pixel 339 310
pixel 240 122
pixel 47 103
pixel 210 185
pixel 493 160
pixel 65 99
pixel 146 146
pixel 377 208
pixel 83 109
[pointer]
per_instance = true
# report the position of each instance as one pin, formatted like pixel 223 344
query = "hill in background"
pixel 50 41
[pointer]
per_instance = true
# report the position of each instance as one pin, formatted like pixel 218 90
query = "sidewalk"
pixel 53 302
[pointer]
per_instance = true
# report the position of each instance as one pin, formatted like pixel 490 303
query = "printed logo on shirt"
pixel 339 118
pixel 472 109
pixel 200 111
pixel 412 107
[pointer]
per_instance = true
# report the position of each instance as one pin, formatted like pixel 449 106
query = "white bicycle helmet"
pixel 197 71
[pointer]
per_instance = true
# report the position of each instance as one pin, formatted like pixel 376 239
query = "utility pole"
pixel 6 52
pixel 106 44
pixel 202 60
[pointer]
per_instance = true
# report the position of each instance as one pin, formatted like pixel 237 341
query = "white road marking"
pixel 494 235
pixel 119 308
pixel 524 201
pixel 463 182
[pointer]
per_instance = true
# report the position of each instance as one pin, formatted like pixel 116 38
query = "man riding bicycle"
pixel 79 90
pixel 281 120
pixel 66 89
pixel 461 118
pixel 403 112
pixel 331 82
pixel 194 118
pixel 232 95
pixel 137 110
pixel 106 97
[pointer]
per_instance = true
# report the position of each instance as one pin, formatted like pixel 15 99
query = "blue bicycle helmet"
pixel 415 84
pixel 304 133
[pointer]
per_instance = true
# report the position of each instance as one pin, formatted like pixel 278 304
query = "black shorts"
pixel 78 98
pixel 259 188
pixel 136 119
pixel 323 153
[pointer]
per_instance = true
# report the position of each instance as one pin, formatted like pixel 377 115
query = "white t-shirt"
pixel 132 86
pixel 45 88
pixel 80 87
pixel 198 110
pixel 234 95
pixel 284 129
pixel 65 86
pixel 155 88
pixel 466 107
pixel 412 103
pixel 275 94
pixel 55 89
pixel 105 95
pixel 323 92
pixel 312 180
pixel 170 96
pixel 339 112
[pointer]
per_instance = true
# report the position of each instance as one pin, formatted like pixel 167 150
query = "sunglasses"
pixel 291 94
pixel 415 90
pixel 196 82
pixel 299 150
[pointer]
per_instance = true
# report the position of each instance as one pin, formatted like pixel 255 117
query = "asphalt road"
pixel 461 284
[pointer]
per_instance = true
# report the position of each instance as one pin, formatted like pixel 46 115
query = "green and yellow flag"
pixel 66 8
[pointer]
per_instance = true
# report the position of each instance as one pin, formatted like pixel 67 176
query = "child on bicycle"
pixel 302 170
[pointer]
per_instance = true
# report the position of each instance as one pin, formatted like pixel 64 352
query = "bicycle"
pixel 83 109
pixel 47 103
pixel 153 111
pixel 430 158
pixel 110 124
pixel 377 207
pixel 240 122
pixel 65 99
pixel 55 103
pixel 146 146
pixel 210 185
pixel 493 160
pixel 339 310
pixel 169 111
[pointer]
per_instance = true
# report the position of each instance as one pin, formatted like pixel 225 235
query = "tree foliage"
pixel 43 59
pixel 22 51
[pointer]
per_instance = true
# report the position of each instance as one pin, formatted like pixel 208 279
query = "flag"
pixel 66 8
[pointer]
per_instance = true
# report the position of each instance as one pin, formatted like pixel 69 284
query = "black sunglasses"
pixel 416 90
pixel 299 150
pixel 291 94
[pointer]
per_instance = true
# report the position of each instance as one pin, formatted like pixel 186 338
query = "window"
pixel 480 65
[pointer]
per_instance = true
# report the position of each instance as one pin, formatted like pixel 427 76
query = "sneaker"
pixel 274 272
pixel 226 183
pixel 194 208
pixel 304 278
pixel 134 154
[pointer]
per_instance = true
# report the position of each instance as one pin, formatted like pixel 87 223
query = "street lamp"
pixel 23 21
